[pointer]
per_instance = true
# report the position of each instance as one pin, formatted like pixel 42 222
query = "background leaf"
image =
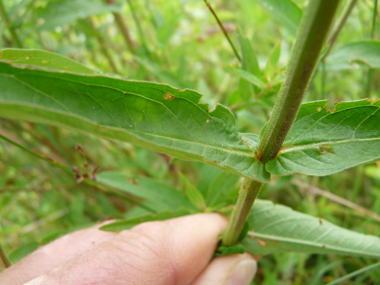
pixel 355 55
pixel 122 225
pixel 285 11
pixel 276 228
pixel 323 142
pixel 60 13
pixel 163 196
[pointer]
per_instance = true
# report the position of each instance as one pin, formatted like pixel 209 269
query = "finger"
pixel 237 269
pixel 170 252
pixel 53 254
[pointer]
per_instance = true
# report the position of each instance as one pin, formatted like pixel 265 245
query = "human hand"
pixel 176 251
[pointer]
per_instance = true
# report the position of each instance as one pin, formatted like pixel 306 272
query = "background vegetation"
pixel 179 43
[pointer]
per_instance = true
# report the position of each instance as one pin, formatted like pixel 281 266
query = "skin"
pixel 176 251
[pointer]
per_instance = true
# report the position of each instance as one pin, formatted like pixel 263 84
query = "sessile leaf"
pixel 151 115
pixel 323 142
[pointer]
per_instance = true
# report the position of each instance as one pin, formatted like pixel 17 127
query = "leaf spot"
pixel 274 244
pixel 208 120
pixel 102 129
pixel 133 181
pixel 44 61
pixel 168 96
pixel 261 242
pixel 319 109
pixel 325 148
pixel 320 221
pixel 324 246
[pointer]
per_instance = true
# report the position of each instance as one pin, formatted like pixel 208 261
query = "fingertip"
pixel 237 269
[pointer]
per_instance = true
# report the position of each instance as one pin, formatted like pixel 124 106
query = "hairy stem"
pixel 4 258
pixel 309 42
pixel 9 25
pixel 247 195
pixel 223 30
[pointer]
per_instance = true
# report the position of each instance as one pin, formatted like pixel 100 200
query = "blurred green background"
pixel 178 43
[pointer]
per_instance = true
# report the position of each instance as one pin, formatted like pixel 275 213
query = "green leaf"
pixel 163 196
pixel 355 55
pixel 219 189
pixel 274 57
pixel 276 228
pixel 251 78
pixel 285 11
pixel 193 194
pixel 130 223
pixel 354 274
pixel 228 250
pixel 63 12
pixel 22 251
pixel 273 60
pixel 322 142
pixel 150 115
pixel 250 66
pixel 43 59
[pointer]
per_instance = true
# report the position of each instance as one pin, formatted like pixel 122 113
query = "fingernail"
pixel 243 273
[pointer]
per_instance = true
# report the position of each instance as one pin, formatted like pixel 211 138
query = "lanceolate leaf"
pixel 130 223
pixel 164 196
pixel 60 13
pixel 150 115
pixel 323 142
pixel 43 59
pixel 355 55
pixel 276 228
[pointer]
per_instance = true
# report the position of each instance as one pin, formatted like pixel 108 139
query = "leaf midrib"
pixel 308 243
pixel 289 148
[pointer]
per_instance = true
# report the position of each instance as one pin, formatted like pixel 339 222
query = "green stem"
pixel 139 29
pixel 247 195
pixel 4 258
pixel 223 30
pixel 309 42
pixel 9 25
pixel 342 21
pixel 374 19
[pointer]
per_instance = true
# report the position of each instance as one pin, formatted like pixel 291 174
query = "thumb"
pixel 237 269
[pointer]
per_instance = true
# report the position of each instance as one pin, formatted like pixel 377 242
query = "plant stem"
pixel 315 25
pixel 370 70
pixel 342 21
pixel 139 29
pixel 247 195
pixel 309 42
pixel 374 19
pixel 4 258
pixel 103 46
pixel 9 24
pixel 223 30
pixel 124 31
